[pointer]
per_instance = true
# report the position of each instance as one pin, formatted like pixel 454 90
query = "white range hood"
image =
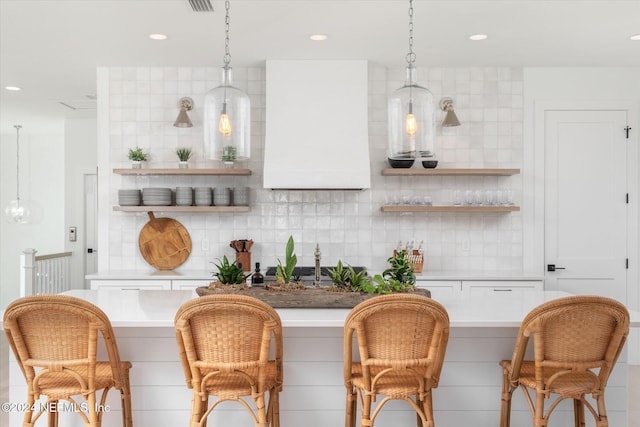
pixel 316 125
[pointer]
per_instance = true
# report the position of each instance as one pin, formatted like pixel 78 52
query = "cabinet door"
pixel 486 287
pixel 131 284
pixel 185 285
pixel 440 288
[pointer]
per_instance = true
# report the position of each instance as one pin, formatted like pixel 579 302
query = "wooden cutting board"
pixel 164 243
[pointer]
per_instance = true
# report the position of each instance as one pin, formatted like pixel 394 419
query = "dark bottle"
pixel 257 278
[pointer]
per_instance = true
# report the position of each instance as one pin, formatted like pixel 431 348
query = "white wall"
pixel 137 106
pixel 41 182
pixel 81 159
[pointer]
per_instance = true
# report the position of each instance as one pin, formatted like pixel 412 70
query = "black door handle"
pixel 552 267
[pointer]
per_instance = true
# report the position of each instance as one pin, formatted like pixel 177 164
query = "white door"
pixel 586 202
pixel 90 225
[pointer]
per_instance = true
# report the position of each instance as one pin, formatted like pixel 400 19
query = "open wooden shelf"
pixel 441 172
pixel 234 209
pixel 177 171
pixel 416 208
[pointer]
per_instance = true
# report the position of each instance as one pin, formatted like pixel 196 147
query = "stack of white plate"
pixel 129 197
pixel 203 196
pixel 184 196
pixel 156 196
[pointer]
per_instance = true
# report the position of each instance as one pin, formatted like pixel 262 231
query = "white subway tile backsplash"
pixel 349 226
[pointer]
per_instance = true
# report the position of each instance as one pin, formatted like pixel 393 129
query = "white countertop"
pixel 208 275
pixel 157 308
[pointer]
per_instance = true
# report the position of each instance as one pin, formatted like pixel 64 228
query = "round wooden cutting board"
pixel 164 243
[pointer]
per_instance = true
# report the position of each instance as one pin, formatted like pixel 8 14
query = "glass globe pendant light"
pixel 410 115
pixel 18 211
pixel 227 115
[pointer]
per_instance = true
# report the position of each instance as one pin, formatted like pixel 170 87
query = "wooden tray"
pixel 302 298
pixel 164 243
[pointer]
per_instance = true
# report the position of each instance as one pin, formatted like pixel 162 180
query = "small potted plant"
pixel 229 154
pixel 184 154
pixel 229 274
pixel 285 278
pixel 137 155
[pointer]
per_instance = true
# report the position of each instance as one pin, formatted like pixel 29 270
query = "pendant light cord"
pixel 411 56
pixel 227 20
pixel 18 127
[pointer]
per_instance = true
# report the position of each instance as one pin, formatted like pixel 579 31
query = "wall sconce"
pixel 183 121
pixel 450 118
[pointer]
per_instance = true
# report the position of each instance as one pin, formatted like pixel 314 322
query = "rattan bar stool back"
pixel 55 339
pixel 576 343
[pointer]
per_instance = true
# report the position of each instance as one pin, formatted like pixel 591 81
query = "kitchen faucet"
pixel 317 254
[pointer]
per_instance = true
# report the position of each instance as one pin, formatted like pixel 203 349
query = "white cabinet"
pixel 440 288
pixel 131 284
pixel 485 287
pixel 185 285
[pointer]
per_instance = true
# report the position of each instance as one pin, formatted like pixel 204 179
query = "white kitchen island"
pixel 483 329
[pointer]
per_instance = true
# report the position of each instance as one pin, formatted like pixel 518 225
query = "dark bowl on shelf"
pixel 400 163
pixel 429 164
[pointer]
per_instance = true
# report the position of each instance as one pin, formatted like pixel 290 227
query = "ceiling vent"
pixel 201 5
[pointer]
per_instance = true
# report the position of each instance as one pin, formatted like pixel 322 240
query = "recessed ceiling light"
pixel 318 37
pixel 157 36
pixel 13 88
pixel 477 37
pixel 635 37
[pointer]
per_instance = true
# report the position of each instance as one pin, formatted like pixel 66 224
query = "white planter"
pixel 136 164
pixel 183 165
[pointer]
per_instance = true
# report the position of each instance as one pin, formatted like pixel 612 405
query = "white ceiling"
pixel 51 48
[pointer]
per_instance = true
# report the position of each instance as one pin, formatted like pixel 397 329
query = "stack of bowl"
pixel 157 196
pixel 129 197
pixel 184 196
pixel 241 196
pixel 203 196
pixel 221 196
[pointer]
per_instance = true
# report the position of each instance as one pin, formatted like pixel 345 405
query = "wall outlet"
pixel 73 234
pixel 466 245
pixel 205 244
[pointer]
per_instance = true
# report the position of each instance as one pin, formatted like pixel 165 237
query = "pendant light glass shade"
pixel 18 211
pixel 411 120
pixel 227 122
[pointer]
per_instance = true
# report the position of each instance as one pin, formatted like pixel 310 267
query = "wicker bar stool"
pixel 576 342
pixel 402 339
pixel 224 343
pixel 55 341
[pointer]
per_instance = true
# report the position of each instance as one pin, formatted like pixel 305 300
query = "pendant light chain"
pixel 227 20
pixel 411 56
pixel 18 127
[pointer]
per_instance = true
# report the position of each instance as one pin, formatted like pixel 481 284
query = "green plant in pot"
pixel 137 155
pixel 229 154
pixel 229 273
pixel 184 154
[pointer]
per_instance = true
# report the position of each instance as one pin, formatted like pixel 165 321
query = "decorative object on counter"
pixel 430 163
pixel 284 272
pixel 183 121
pixel 184 154
pixel 129 197
pixel 18 211
pixel 401 162
pixel 410 114
pixel 257 279
pixel 400 275
pixel 137 156
pixel 227 115
pixel 203 196
pixel 164 243
pixel 221 196
pixel 229 273
pixel 184 196
pixel 243 253
pixel 450 118
pixel 241 196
